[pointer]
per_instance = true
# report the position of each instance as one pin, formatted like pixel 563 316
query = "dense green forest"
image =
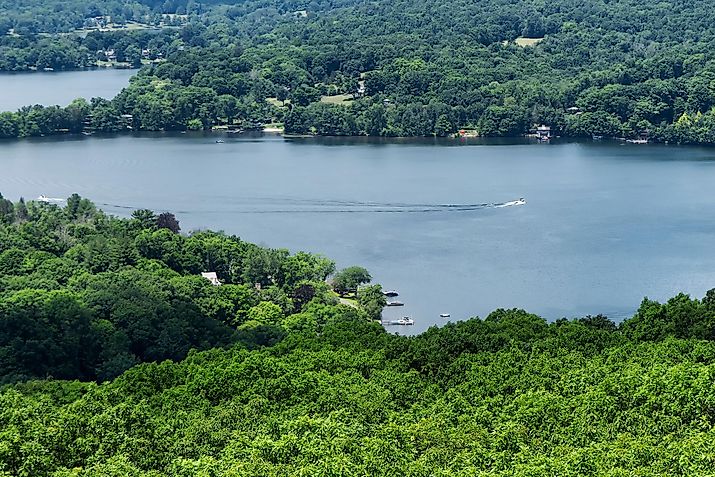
pixel 86 296
pixel 405 68
pixel 295 384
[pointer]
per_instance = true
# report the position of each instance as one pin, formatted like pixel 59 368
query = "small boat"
pixel 444 315
pixel 219 141
pixel 596 137
pixel 395 303
pixel 520 201
pixel 390 293
pixel 47 200
pixel 405 320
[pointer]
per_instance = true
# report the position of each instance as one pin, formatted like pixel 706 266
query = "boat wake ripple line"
pixel 338 207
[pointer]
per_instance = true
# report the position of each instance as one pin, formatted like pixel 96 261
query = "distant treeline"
pixel 28 18
pixel 414 68
pixel 72 52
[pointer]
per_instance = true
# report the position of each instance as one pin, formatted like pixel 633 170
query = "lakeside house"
pixel 543 133
pixel 125 120
pixel 212 277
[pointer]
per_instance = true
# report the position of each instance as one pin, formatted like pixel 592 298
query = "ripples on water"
pixel 318 206
pixel 604 226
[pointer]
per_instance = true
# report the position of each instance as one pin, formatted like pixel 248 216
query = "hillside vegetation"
pixel 415 68
pixel 85 296
pixel 105 330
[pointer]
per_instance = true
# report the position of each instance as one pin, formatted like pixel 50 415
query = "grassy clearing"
pixel 276 103
pixel 114 64
pixel 274 128
pixel 337 99
pixel 349 299
pixel 524 42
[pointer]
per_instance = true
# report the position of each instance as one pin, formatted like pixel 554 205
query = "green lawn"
pixel 275 102
pixel 337 99
pixel 523 42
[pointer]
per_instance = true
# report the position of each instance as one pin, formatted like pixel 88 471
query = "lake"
pixel 50 88
pixel 604 224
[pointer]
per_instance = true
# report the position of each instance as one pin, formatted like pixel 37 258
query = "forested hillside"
pixel 86 296
pixel 411 68
pixel 506 396
pixel 296 384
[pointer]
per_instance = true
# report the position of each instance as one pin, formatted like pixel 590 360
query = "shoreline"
pixel 68 70
pixel 279 132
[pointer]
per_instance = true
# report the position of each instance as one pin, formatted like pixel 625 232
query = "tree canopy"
pixel 350 278
pixel 404 68
pixel 118 358
pixel 507 395
pixel 86 296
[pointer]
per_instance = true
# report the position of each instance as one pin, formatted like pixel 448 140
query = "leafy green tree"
pixel 443 127
pixel 7 210
pixel 21 213
pixel 282 95
pixel 133 55
pixel 9 125
pixel 78 113
pixel 144 219
pixel 265 313
pixel 79 208
pixel 303 95
pixel 372 300
pixel 350 278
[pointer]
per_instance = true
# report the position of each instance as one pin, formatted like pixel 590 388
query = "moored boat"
pixel 405 320
pixel 390 293
pixel 394 303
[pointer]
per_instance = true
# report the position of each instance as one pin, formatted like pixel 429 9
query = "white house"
pixel 212 277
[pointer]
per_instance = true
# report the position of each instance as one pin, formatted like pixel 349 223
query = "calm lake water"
pixel 604 224
pixel 50 88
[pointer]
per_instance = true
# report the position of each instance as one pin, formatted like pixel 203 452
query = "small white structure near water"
pixel 212 277
pixel 543 132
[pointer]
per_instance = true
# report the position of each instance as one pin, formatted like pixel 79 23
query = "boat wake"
pixel 347 207
pixel 318 206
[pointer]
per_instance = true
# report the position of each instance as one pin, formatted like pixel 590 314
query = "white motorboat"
pixel 47 200
pixel 512 203
pixel 405 320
